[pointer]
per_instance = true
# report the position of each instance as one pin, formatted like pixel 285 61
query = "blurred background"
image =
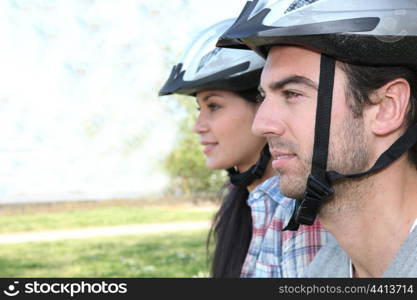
pixel 87 142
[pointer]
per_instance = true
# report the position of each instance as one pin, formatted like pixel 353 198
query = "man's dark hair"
pixel 362 81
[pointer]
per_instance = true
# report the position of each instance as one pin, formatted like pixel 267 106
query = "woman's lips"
pixel 208 147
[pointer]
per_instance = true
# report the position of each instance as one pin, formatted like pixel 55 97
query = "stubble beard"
pixel 348 154
pixel 292 182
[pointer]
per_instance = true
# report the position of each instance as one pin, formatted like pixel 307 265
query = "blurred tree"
pixel 186 163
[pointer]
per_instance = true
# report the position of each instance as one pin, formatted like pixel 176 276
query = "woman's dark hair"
pixel 362 81
pixel 232 225
pixel 232 233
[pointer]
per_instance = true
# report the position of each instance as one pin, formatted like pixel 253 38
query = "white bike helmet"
pixel 204 66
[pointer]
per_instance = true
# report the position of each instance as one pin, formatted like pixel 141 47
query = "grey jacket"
pixel 332 261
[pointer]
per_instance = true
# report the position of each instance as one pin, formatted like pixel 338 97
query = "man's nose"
pixel 268 120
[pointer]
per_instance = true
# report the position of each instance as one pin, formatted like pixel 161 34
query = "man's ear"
pixel 389 112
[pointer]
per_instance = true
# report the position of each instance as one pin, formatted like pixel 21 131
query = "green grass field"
pixel 102 216
pixel 174 254
pixel 156 255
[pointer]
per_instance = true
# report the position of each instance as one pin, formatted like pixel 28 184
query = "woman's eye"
pixel 213 106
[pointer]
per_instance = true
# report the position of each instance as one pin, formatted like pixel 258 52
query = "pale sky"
pixel 79 113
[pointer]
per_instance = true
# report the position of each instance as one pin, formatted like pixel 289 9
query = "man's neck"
pixel 371 217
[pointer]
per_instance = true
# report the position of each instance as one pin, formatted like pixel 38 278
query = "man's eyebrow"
pixel 277 85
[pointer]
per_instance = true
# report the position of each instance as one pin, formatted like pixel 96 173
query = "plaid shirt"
pixel 273 252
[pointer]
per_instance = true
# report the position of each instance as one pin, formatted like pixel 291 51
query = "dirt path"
pixel 86 233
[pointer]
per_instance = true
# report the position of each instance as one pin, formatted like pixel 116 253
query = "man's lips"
pixel 280 159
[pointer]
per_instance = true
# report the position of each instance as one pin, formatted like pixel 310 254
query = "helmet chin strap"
pixel 255 172
pixel 318 188
pixel 319 182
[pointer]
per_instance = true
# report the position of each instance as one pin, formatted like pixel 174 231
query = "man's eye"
pixel 290 94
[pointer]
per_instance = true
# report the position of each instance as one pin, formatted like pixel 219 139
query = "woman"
pixel 248 241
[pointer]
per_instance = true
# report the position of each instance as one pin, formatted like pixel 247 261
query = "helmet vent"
pixel 298 4
pixel 206 58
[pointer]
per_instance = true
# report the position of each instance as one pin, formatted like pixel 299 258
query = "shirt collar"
pixel 350 261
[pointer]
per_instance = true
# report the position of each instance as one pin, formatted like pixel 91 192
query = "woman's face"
pixel 224 125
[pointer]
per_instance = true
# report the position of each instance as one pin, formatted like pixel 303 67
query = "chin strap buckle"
pixel 316 193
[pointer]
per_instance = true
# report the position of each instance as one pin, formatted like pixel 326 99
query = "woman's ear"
pixel 389 112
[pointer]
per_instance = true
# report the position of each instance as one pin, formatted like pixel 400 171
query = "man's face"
pixel 286 117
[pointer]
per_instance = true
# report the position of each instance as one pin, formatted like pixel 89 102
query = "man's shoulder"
pixel 330 261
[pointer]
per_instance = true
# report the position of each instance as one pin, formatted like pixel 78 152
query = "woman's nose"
pixel 201 125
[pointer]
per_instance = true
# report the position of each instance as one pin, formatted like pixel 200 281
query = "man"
pixel 339 111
